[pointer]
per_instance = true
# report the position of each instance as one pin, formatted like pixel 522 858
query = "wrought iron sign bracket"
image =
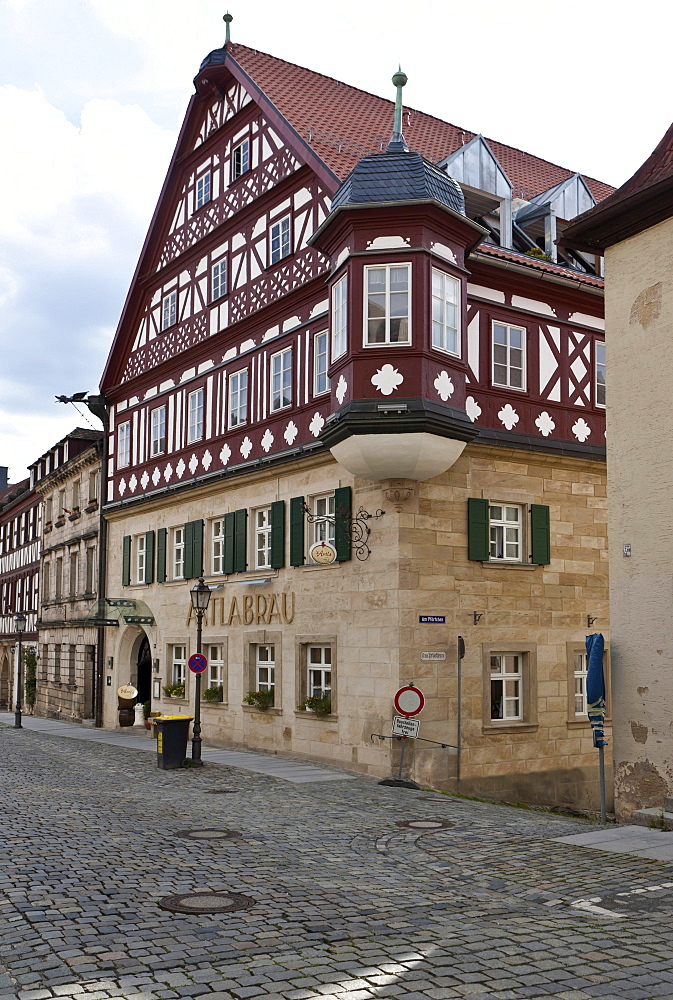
pixel 355 524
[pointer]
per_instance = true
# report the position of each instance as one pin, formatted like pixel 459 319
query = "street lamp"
pixel 20 626
pixel 200 595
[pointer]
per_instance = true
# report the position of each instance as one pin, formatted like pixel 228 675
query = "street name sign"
pixel 406 727
pixel 432 619
pixel 197 663
pixel 433 654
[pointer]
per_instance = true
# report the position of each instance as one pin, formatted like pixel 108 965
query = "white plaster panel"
pixel 532 305
pixel 548 363
pixel 388 243
pixel 446 253
pixel 483 292
pixel 473 345
pixel 595 322
pixel 320 308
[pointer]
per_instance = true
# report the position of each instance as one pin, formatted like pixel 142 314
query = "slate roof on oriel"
pixel 343 123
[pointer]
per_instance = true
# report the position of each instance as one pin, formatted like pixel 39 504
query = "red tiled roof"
pixel 536 263
pixel 343 123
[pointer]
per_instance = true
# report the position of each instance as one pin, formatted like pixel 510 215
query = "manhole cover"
pixel 222 791
pixel 425 824
pixel 207 834
pixel 206 902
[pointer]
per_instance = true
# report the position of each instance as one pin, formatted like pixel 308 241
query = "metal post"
pixel 399 773
pixel 17 707
pixel 196 733
pixel 459 714
pixel 601 778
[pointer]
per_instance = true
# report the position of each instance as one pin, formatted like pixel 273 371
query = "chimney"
pixel 4 480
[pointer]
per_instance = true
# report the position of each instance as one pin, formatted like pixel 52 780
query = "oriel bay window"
pixel 387 296
pixel 445 312
pixel 500 532
pixel 339 318
pixel 281 379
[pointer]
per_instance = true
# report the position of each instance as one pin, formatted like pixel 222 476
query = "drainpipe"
pixel 98 406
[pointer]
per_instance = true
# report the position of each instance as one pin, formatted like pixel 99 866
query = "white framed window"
pixel 178 553
pixel 158 432
pixel 279 240
pixel 340 318
pixel 505 532
pixel 203 189
pixel 281 379
pixel 322 528
pixel 580 682
pixel 238 398
pixel 215 666
pixel 124 444
pixel 169 305
pixel 387 301
pixel 240 159
pixel 445 312
pixel 320 363
pixel 217 539
pixel 218 280
pixel 319 665
pixel 265 668
pixel 600 372
pixel 140 558
pixel 262 537
pixel 195 416
pixel 178 664
pixel 509 356
pixel 506 686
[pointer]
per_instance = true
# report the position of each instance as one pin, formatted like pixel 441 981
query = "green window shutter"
pixel 477 530
pixel 126 561
pixel 277 534
pixel 539 534
pixel 161 555
pixel 342 523
pixel 240 540
pixel 197 548
pixel 149 557
pixel 297 531
pixel 228 560
pixel 187 572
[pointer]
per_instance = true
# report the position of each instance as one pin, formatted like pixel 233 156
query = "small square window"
pixel 203 190
pixel 240 159
pixel 279 241
pixel 505 532
pixel 169 307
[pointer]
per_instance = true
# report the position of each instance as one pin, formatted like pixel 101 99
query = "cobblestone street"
pixel 346 902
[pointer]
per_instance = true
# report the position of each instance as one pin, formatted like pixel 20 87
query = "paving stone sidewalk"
pixel 348 905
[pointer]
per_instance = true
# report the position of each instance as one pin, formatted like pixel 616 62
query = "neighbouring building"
pixel 20 531
pixel 67 479
pixel 358 388
pixel 634 229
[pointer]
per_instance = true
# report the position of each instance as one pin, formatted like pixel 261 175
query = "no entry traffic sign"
pixel 409 701
pixel 197 663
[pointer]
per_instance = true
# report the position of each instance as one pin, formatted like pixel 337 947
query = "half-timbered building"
pixel 357 387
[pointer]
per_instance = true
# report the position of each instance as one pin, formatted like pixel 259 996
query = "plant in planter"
pixel 174 690
pixel 319 706
pixel 91 505
pixel 214 694
pixel 30 661
pixel 260 699
pixel 147 708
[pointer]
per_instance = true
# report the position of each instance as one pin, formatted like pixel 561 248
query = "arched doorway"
pixel 144 671
pixel 4 683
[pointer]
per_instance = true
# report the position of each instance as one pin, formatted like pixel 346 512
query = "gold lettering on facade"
pixel 233 612
pixel 261 609
pixel 248 612
pixel 287 618
pixel 274 611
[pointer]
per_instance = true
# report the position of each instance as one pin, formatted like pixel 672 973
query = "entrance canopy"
pixel 114 610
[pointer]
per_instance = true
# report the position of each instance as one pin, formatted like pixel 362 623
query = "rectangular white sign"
pixel 405 727
pixel 433 655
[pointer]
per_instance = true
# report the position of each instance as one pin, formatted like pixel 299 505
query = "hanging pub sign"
pixel 127 691
pixel 323 553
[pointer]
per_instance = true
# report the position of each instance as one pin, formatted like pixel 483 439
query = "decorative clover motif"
pixel 122 487
pixel 581 429
pixel 317 424
pixel 193 464
pixel 246 447
pixel 341 389
pixel 472 408
pixel 180 469
pixel 267 440
pixel 207 460
pixel 444 386
pixel 291 432
pixel 156 476
pixel 545 424
pixel 387 379
pixel 508 416
pixel 168 472
pixel 225 454
pixel 133 482
pixel 144 479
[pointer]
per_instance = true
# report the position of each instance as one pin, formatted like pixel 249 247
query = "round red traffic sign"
pixel 409 701
pixel 197 663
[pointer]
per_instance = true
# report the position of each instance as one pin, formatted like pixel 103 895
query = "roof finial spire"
pixel 398 143
pixel 228 18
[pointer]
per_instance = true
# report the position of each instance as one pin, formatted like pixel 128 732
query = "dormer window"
pixel 445 312
pixel 387 304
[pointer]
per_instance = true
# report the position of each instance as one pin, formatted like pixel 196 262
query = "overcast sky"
pixel 92 93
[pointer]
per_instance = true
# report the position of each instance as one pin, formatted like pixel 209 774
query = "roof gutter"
pixel 530 272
